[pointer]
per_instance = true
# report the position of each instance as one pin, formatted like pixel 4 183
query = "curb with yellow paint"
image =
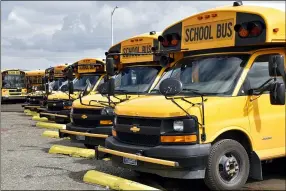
pixel 72 151
pixel 38 118
pixel 50 125
pixel 27 111
pixel 113 182
pixel 52 134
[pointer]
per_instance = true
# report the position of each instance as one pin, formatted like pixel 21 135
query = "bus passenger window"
pixel 258 73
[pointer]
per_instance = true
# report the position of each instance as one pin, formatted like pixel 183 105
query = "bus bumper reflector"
pixel 38 118
pixel 72 151
pixel 50 125
pixel 84 134
pixel 113 182
pixel 137 157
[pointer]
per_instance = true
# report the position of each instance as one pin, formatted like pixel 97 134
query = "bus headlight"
pixel 107 111
pixel 178 126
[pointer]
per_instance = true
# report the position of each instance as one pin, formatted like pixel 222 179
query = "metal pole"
pixel 112 25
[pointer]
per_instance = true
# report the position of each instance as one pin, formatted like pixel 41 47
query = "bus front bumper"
pixel 57 116
pixel 173 161
pixel 90 136
pixel 13 97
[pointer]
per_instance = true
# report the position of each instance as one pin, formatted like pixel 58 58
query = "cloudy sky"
pixel 36 35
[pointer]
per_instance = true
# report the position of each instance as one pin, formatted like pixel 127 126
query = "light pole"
pixel 112 25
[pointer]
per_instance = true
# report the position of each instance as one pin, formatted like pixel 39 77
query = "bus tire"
pixel 228 166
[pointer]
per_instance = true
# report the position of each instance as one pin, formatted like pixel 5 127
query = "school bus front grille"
pixel 138 139
pixel 139 121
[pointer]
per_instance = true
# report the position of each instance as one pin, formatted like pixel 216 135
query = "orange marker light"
pixel 115 57
pixel 214 15
pixel 207 16
pixel 275 29
pixel 114 134
pixel 200 17
pixel 243 32
pixel 174 42
pixel 179 139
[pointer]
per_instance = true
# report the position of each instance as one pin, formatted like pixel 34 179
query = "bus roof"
pixel 219 27
pixel 89 65
pixel 35 72
pixel 139 43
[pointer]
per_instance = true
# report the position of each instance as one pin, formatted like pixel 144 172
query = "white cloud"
pixel 40 34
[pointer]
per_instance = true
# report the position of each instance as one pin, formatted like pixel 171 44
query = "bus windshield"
pixel 210 75
pixel 136 79
pixel 79 84
pixel 13 81
pixel 57 84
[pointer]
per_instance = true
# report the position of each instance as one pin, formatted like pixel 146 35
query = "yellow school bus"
pixel 88 71
pixel 222 112
pixel 34 80
pixel 13 85
pixel 53 79
pixel 136 75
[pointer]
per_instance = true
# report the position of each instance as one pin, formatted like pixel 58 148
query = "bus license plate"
pixel 80 138
pixel 129 161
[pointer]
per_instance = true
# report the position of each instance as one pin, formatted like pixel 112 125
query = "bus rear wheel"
pixel 228 166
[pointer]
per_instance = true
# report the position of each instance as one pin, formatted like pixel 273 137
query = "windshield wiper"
pixel 195 91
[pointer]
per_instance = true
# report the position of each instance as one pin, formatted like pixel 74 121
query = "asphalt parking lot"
pixel 26 164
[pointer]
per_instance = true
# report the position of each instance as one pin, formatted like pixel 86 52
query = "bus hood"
pixel 159 106
pixel 86 100
pixel 62 95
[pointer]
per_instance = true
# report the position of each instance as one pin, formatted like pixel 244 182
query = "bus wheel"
pixel 228 166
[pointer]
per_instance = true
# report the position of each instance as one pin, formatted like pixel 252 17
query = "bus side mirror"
pixel 69 74
pixel 165 60
pixel 277 94
pixel 170 87
pixel 70 87
pixel 276 65
pixel 47 88
pixel 107 88
pixel 110 66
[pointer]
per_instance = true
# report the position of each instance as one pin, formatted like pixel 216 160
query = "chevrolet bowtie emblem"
pixel 134 129
pixel 54 104
pixel 83 116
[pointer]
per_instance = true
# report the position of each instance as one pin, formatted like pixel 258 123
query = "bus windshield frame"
pixel 218 73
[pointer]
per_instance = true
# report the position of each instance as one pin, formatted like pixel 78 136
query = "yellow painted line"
pixel 113 182
pixel 84 134
pixel 52 114
pixel 38 118
pixel 72 151
pixel 137 157
pixel 50 125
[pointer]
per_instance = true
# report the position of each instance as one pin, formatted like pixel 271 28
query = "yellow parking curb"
pixel 113 182
pixel 72 151
pixel 27 111
pixel 38 118
pixel 51 134
pixel 50 125
pixel 32 113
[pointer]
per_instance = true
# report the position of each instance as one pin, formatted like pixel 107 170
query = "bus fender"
pixel 255 167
